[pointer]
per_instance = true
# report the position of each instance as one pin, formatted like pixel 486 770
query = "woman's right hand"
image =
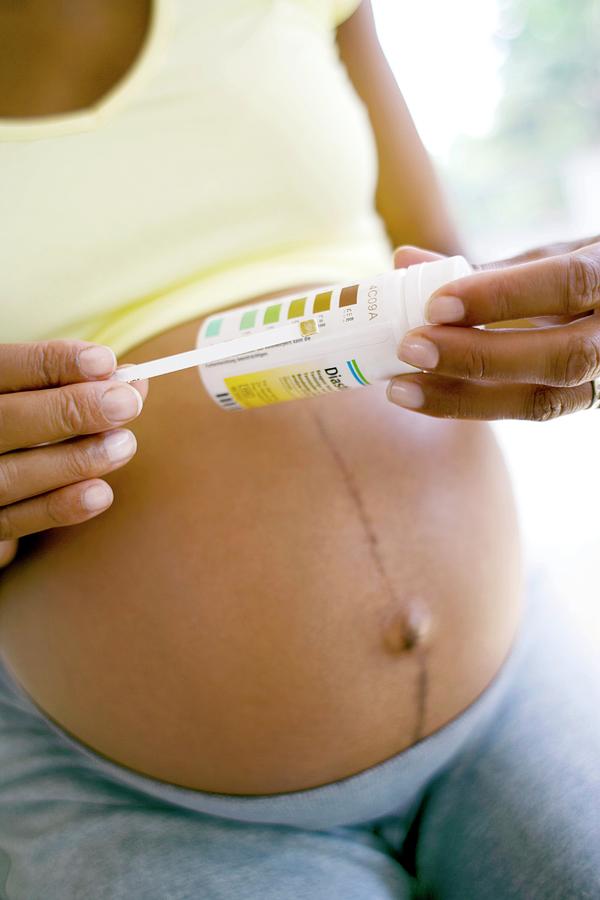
pixel 59 394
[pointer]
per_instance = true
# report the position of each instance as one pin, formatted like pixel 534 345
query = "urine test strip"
pixel 217 352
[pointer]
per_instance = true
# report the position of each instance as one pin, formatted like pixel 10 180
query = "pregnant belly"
pixel 278 598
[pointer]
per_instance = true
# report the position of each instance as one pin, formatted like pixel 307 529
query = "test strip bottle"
pixel 360 328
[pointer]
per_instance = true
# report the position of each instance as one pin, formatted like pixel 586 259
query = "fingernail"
pixel 419 352
pixel 406 393
pixel 119 445
pixel 96 361
pixel 98 496
pixel 140 386
pixel 121 403
pixel 441 310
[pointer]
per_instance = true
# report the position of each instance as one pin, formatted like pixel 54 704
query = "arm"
pixel 409 198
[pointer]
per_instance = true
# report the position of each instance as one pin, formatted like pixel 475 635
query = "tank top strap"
pixel 343 9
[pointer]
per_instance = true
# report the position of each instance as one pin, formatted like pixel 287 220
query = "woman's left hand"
pixel 513 372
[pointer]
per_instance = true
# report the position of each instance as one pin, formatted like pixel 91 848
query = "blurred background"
pixel 506 96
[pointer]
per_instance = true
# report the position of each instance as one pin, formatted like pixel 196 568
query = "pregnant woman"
pixel 297 656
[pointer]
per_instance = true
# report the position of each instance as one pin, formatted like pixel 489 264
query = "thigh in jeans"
pixel 518 814
pixel 68 833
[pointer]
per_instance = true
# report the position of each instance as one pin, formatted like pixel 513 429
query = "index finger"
pixel 565 285
pixel 44 364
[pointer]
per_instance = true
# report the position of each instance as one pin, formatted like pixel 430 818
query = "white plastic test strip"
pixel 219 351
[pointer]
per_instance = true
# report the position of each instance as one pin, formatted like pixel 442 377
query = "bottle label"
pixel 354 347
pixel 294 382
pixel 360 326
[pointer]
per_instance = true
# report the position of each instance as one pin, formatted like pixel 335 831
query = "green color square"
pixel 272 314
pixel 248 319
pixel 213 328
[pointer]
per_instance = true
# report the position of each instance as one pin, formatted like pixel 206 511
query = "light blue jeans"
pixel 503 802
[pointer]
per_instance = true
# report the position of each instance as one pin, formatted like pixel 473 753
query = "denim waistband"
pixel 392 786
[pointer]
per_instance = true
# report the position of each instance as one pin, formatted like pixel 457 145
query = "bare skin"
pixel 64 57
pixel 255 612
pixel 238 626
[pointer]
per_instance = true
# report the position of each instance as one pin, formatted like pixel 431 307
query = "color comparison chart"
pixel 294 309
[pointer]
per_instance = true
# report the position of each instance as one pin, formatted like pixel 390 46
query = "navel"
pixel 408 628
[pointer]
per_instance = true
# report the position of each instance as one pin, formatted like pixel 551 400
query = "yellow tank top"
pixel 233 159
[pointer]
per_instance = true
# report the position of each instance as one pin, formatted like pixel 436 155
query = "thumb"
pixel 8 550
pixel 409 256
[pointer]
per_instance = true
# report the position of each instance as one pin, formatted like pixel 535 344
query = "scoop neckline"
pixel 33 127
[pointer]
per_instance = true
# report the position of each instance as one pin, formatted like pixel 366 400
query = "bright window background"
pixel 506 96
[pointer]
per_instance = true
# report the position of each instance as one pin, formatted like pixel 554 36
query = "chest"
pixel 57 58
